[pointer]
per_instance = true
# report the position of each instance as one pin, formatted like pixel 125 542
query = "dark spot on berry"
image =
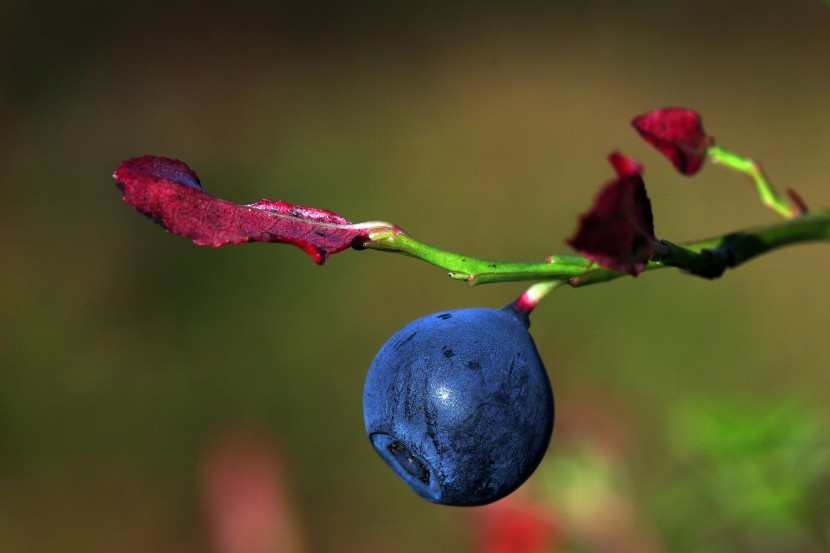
pixel 473 365
pixel 403 342
pixel 445 316
pixel 408 462
pixel 448 353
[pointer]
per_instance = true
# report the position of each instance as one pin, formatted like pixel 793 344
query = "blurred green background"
pixel 481 127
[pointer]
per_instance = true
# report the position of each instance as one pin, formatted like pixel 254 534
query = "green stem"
pixel 706 258
pixel 769 195
pixel 710 258
pixel 474 270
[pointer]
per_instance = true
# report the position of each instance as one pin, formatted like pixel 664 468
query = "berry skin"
pixel 459 404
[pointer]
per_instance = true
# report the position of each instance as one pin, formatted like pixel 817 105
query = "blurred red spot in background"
pixel 515 525
pixel 245 496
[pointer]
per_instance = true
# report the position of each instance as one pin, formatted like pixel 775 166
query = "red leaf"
pixel 678 134
pixel 618 231
pixel 169 193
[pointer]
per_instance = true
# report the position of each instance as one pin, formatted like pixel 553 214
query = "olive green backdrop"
pixel 479 127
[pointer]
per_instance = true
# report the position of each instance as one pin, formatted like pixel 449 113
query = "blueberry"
pixel 459 404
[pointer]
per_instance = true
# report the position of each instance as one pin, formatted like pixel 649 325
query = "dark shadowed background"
pixel 127 353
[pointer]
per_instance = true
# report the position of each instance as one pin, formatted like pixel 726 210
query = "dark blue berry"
pixel 459 404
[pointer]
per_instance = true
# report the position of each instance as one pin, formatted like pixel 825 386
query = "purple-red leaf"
pixel 618 231
pixel 168 192
pixel 678 134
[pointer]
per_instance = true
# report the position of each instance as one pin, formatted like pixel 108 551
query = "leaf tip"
pixel 155 168
pixel 169 193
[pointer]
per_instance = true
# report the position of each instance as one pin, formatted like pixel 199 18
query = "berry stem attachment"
pixel 533 296
pixel 770 196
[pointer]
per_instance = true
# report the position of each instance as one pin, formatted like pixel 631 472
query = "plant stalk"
pixel 706 258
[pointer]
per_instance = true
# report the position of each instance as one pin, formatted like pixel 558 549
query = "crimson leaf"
pixel 618 231
pixel 168 192
pixel 678 134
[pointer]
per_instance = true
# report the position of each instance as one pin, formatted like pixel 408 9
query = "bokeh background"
pixel 157 396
